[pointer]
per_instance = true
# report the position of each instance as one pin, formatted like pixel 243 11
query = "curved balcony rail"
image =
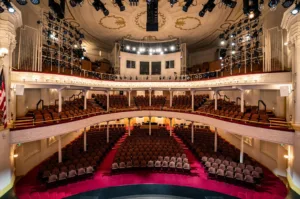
pixel 272 124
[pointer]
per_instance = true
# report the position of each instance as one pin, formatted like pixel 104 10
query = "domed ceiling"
pixel 197 32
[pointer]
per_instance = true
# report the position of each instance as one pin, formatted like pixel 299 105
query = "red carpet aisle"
pixel 272 187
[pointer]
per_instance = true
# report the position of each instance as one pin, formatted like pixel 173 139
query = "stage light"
pixel 74 3
pixel 165 49
pixel 35 2
pixel 296 9
pixel 229 3
pixel 273 4
pixel 98 5
pixel 120 4
pixel 288 3
pixel 22 2
pixel 172 2
pixel 133 48
pixel 233 52
pixel 172 48
pixel 150 53
pixel 161 52
pixel 202 13
pixel 187 5
pixel 233 44
pixel 8 6
pixel 150 50
pixel 221 58
pixel 251 14
pixel 127 47
pixel 138 52
pixel 158 50
pixel 222 42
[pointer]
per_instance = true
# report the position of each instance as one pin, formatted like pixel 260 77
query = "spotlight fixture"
pixel 127 47
pixel 296 9
pixel 222 42
pixel 172 2
pixel 22 2
pixel 209 6
pixel 187 5
pixel 133 2
pixel 273 4
pixel 120 4
pixel 134 48
pixel 288 3
pixel 74 3
pixel 35 2
pixel 172 48
pixel 98 5
pixel 251 14
pixel 229 3
pixel 8 6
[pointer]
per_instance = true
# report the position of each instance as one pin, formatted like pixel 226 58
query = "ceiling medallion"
pixel 187 23
pixel 112 22
pixel 140 20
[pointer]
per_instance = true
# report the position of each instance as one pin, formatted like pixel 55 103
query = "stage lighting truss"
pixel 134 2
pixel 62 44
pixel 241 47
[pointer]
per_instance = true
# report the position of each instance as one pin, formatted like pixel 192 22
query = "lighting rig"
pixel 241 46
pixel 62 45
pixel 210 5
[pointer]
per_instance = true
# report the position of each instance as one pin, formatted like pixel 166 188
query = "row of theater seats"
pixel 223 164
pixel 142 102
pixel 158 151
pixel 231 110
pixel 115 101
pixel 77 163
pixel 50 114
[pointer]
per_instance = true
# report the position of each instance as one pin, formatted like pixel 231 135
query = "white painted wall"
pixel 7 160
pixel 153 58
pixel 267 153
pixel 33 153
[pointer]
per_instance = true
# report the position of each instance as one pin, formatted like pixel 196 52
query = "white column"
pixel 216 100
pixel 150 93
pixel 84 139
pixel 149 125
pixel 107 132
pixel 59 101
pixel 85 99
pixel 216 139
pixel 129 98
pixel 107 101
pixel 170 126
pixel 192 92
pixel 171 98
pixel 59 150
pixel 242 150
pixel 129 126
pixel 192 137
pixel 242 101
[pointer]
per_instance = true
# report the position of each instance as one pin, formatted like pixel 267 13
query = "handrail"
pixel 73 96
pixel 79 94
pixel 225 97
pixel 261 102
pixel 37 105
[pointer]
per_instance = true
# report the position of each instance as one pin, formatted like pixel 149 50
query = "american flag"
pixel 3 99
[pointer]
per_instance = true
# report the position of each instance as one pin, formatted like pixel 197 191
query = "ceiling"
pixel 197 32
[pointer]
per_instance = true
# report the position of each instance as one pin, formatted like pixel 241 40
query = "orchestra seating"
pixel 76 163
pixel 158 152
pixel 224 164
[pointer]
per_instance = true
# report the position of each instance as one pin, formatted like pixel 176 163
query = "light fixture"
pixel 222 42
pixel 127 47
pixel 16 155
pixel 296 9
pixel 82 57
pixel 233 44
pixel 172 2
pixel 120 4
pixel 229 3
pixel 286 43
pixel 161 52
pixel 3 52
pixel 172 48
pixel 251 14
pixel 98 5
pixel 75 46
pixel 233 52
pixel 286 156
pixel 150 53
pixel 221 58
pixel 138 52
pixel 287 3
pixel 273 4
pixel 35 2
pixel 150 50
pixel 187 5
pixel 22 2
pixel 134 48
pixel 74 3
pixel 8 6
pixel 165 49
pixel 158 50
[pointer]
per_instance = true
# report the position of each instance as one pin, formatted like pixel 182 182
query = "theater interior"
pixel 149 99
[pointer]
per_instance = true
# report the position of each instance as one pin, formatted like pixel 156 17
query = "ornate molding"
pixel 181 22
pixel 119 22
